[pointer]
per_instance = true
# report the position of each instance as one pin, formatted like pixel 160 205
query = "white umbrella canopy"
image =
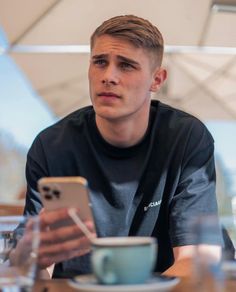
pixel 199 82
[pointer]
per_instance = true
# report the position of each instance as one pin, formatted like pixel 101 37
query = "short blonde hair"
pixel 136 30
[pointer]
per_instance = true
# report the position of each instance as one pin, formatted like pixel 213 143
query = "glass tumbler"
pixel 19 242
pixel 207 267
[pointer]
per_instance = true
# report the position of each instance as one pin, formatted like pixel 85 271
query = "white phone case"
pixel 66 192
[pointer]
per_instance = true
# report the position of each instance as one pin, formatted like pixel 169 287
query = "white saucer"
pixel 88 283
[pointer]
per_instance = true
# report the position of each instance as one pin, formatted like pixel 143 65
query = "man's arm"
pixel 56 245
pixel 195 196
pixel 184 258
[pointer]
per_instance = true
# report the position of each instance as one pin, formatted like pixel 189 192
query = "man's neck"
pixel 123 133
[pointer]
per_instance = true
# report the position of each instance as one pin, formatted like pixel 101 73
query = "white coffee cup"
pixel 123 260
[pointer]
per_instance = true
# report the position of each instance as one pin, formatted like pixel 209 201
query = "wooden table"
pixel 52 286
pixel 7 209
pixel 185 285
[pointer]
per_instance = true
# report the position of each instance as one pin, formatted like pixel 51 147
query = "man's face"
pixel 121 78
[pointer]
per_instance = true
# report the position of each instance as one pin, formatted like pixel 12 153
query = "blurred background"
pixel 44 55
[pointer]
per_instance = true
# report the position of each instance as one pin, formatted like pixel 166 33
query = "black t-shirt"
pixel 151 189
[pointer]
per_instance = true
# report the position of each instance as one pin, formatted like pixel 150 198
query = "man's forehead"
pixel 110 38
pixel 108 43
pixel 106 46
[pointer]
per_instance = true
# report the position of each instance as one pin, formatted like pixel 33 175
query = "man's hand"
pixel 184 257
pixel 62 243
pixel 58 241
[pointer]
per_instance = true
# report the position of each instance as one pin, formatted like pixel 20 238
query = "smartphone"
pixel 66 192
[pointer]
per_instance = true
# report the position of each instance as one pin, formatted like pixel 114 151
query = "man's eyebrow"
pixel 119 57
pixel 99 56
pixel 128 60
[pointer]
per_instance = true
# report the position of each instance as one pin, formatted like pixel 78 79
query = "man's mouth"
pixel 108 94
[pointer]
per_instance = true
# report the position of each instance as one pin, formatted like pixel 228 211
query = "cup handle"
pixel 102 261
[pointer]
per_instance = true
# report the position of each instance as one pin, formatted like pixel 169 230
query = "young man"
pixel 150 167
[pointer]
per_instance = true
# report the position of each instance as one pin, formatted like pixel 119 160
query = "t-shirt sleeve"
pixel 195 194
pixel 36 167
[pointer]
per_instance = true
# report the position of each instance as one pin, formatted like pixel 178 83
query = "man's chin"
pixel 108 114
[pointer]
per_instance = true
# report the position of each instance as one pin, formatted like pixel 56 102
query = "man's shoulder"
pixel 173 112
pixel 74 120
pixel 65 130
pixel 177 121
pixel 175 115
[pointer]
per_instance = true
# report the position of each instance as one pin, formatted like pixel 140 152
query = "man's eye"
pixel 99 62
pixel 125 65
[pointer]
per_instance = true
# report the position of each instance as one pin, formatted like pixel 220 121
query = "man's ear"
pixel 159 78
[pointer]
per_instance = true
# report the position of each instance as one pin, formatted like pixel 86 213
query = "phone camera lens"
pixel 56 193
pixel 47 196
pixel 46 189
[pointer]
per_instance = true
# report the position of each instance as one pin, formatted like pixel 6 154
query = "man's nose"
pixel 110 76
